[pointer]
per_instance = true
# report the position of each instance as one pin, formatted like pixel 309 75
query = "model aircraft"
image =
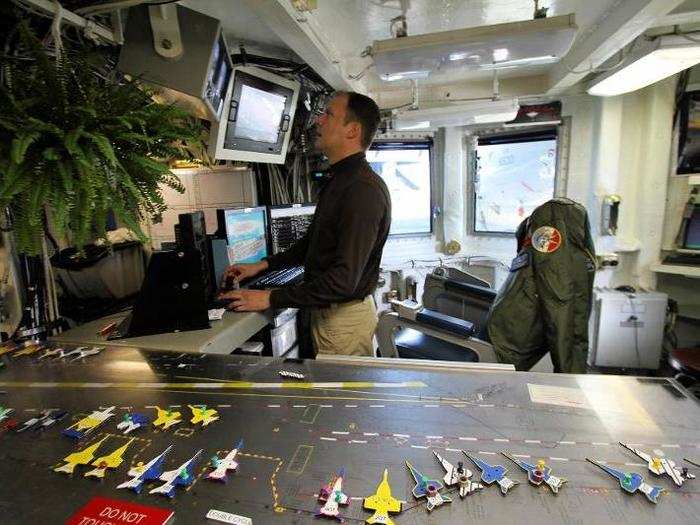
pixel 89 423
pixel 222 466
pixel 200 413
pixel 142 473
pixel 131 422
pixel 539 473
pixel 166 418
pixel 51 353
pixel 28 350
pixel 382 503
pixel 82 457
pixel 32 422
pixel 632 482
pixel 661 466
pixel 5 413
pixel 427 488
pixel 54 417
pixel 491 473
pixel 182 476
pixel 82 352
pixel 458 475
pixel 112 460
pixel 6 349
pixel 332 496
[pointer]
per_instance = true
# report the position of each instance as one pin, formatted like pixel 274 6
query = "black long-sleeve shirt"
pixel 342 248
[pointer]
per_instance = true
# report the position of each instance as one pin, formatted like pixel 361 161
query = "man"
pixel 342 249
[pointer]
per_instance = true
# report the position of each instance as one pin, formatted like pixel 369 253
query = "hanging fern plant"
pixel 75 145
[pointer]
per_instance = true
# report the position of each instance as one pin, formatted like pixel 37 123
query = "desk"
pixel 222 338
pixel 362 416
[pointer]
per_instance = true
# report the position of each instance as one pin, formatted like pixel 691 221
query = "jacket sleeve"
pixel 358 225
pixel 292 256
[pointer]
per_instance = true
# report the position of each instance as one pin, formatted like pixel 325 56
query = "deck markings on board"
pixel 310 414
pixel 300 458
pixel 225 385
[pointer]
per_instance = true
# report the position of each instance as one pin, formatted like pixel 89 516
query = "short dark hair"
pixel 364 110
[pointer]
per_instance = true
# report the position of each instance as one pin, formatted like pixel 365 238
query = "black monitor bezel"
pixel 230 142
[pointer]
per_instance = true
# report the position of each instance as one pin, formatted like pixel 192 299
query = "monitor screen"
pixel 288 224
pixel 259 115
pixel 245 234
pixel 692 233
pixel 218 76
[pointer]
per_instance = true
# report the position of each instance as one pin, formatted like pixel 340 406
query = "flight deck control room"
pixel 362 261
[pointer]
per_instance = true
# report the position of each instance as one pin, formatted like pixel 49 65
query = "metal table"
pixel 365 416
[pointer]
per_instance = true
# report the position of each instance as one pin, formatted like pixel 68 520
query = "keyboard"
pixel 279 278
pixel 682 259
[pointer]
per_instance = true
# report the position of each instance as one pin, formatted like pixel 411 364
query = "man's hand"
pixel 239 272
pixel 247 300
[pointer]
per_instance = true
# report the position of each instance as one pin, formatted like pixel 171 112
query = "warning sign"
pixel 104 511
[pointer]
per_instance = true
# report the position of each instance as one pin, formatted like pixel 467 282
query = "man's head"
pixel 347 125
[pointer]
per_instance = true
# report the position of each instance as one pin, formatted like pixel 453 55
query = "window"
pixel 513 174
pixel 405 168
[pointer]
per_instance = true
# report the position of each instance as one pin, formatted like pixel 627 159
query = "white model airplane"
pixel 182 476
pixel 141 473
pixel 222 466
pixel 661 466
pixel 131 422
pixel 332 496
pixel 89 423
pixel 458 475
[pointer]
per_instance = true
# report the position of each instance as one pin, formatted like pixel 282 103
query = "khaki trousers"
pixel 345 328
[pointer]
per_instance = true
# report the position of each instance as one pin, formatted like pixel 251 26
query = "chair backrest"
pixel 458 298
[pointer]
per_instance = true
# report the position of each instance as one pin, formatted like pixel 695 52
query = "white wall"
pixel 619 145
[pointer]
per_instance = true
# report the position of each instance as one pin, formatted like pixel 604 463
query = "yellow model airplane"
pixel 28 350
pixel 89 423
pixel 382 503
pixel 112 460
pixel 82 457
pixel 200 413
pixel 166 418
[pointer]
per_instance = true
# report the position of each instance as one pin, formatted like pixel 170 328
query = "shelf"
pixel 687 271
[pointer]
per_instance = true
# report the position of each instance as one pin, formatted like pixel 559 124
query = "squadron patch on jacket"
pixel 546 239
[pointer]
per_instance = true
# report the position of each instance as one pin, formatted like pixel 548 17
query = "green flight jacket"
pixel 545 303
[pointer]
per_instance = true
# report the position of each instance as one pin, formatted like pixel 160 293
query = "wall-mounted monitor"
pixel 198 79
pixel 257 118
pixel 288 223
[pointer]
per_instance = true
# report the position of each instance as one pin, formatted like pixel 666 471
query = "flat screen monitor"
pixel 692 232
pixel 257 117
pixel 246 233
pixel 288 224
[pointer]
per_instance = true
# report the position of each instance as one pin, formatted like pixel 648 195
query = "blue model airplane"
pixel 632 482
pixel 182 476
pixel 539 473
pixel 491 473
pixel 141 473
pixel 427 488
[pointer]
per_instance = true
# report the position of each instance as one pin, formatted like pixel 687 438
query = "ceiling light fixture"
pixel 512 44
pixel 649 63
pixel 463 114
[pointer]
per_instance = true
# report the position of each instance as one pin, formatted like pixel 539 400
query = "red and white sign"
pixel 546 239
pixel 104 511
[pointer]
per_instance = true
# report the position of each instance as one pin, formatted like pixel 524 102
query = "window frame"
pixel 510 136
pixel 414 144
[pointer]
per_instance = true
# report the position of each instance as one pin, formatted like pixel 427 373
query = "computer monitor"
pixel 692 231
pixel 246 233
pixel 257 117
pixel 288 223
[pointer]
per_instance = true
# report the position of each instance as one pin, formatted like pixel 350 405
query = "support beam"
pixel 297 31
pixel 679 18
pixel 47 6
pixel 624 21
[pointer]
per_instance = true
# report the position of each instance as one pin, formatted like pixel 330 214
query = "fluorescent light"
pixel 531 61
pixel 464 114
pixel 658 59
pixel 501 45
pixel 423 124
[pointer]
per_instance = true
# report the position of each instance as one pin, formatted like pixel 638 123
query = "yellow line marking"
pixel 310 414
pixel 227 385
pixel 301 449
